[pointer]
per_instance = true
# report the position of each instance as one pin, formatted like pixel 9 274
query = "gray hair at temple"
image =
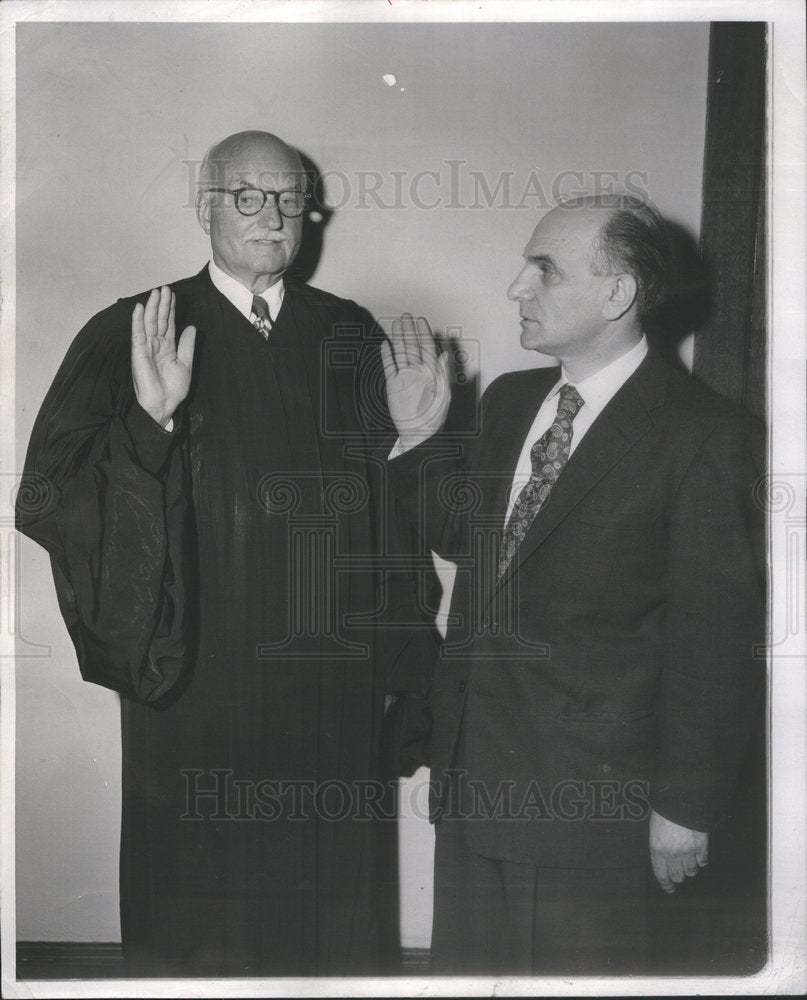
pixel 634 239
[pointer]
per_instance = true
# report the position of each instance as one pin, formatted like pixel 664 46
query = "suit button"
pixel 462 686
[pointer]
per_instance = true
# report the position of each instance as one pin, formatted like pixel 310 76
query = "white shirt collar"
pixel 598 389
pixel 241 296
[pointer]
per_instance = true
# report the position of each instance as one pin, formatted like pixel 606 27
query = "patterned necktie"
pixel 263 319
pixel 549 455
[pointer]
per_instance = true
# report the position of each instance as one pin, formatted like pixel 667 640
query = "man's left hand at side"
pixel 676 852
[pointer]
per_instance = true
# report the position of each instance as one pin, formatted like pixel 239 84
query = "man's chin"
pixel 530 339
pixel 274 252
pixel 275 262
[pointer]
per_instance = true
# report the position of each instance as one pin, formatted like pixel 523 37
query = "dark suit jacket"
pixel 613 667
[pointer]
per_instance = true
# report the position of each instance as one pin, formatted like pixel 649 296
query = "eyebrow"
pixel 540 258
pixel 253 187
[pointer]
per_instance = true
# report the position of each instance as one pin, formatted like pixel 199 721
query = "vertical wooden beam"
pixel 730 349
pixel 718 925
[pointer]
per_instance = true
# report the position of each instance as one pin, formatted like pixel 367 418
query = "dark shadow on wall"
pixel 688 304
pixel 315 221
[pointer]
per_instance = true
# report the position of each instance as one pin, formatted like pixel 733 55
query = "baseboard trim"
pixel 415 961
pixel 104 960
pixel 69 960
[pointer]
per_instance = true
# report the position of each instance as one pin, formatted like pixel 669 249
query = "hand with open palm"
pixel 161 370
pixel 418 389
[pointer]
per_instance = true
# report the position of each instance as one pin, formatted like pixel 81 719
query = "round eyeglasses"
pixel 250 200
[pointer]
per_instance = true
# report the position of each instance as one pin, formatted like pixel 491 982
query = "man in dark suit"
pixel 598 679
pixel 210 512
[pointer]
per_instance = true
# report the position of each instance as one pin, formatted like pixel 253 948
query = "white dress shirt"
pixel 241 296
pixel 596 391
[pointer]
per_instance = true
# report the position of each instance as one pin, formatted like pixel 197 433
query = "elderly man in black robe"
pixel 214 509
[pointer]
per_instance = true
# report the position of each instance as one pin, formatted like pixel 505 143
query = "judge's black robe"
pixel 222 574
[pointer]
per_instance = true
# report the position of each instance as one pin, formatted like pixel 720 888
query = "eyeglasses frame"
pixel 248 187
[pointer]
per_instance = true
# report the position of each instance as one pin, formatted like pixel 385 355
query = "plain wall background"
pixel 111 119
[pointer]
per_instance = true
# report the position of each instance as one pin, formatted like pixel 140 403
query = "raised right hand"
pixel 418 389
pixel 161 371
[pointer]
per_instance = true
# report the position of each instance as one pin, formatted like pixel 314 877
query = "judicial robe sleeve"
pixel 424 521
pixel 432 484
pixel 106 491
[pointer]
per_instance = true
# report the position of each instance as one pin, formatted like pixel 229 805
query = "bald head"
pixel 254 247
pixel 217 164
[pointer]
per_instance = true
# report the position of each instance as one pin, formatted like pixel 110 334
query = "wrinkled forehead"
pixel 273 168
pixel 566 232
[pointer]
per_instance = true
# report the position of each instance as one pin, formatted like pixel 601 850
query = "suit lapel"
pixel 621 424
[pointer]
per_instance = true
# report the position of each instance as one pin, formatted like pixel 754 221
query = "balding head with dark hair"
pixel 593 271
pixel 634 240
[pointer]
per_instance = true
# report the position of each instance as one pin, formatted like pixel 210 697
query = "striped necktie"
pixel 549 455
pixel 263 318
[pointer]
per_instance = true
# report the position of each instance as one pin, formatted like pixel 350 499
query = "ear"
pixel 621 292
pixel 203 210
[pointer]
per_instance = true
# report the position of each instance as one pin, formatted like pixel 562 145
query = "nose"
pixel 270 216
pixel 520 288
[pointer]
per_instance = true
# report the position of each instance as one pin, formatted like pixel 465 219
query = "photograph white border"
pixel 785 973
